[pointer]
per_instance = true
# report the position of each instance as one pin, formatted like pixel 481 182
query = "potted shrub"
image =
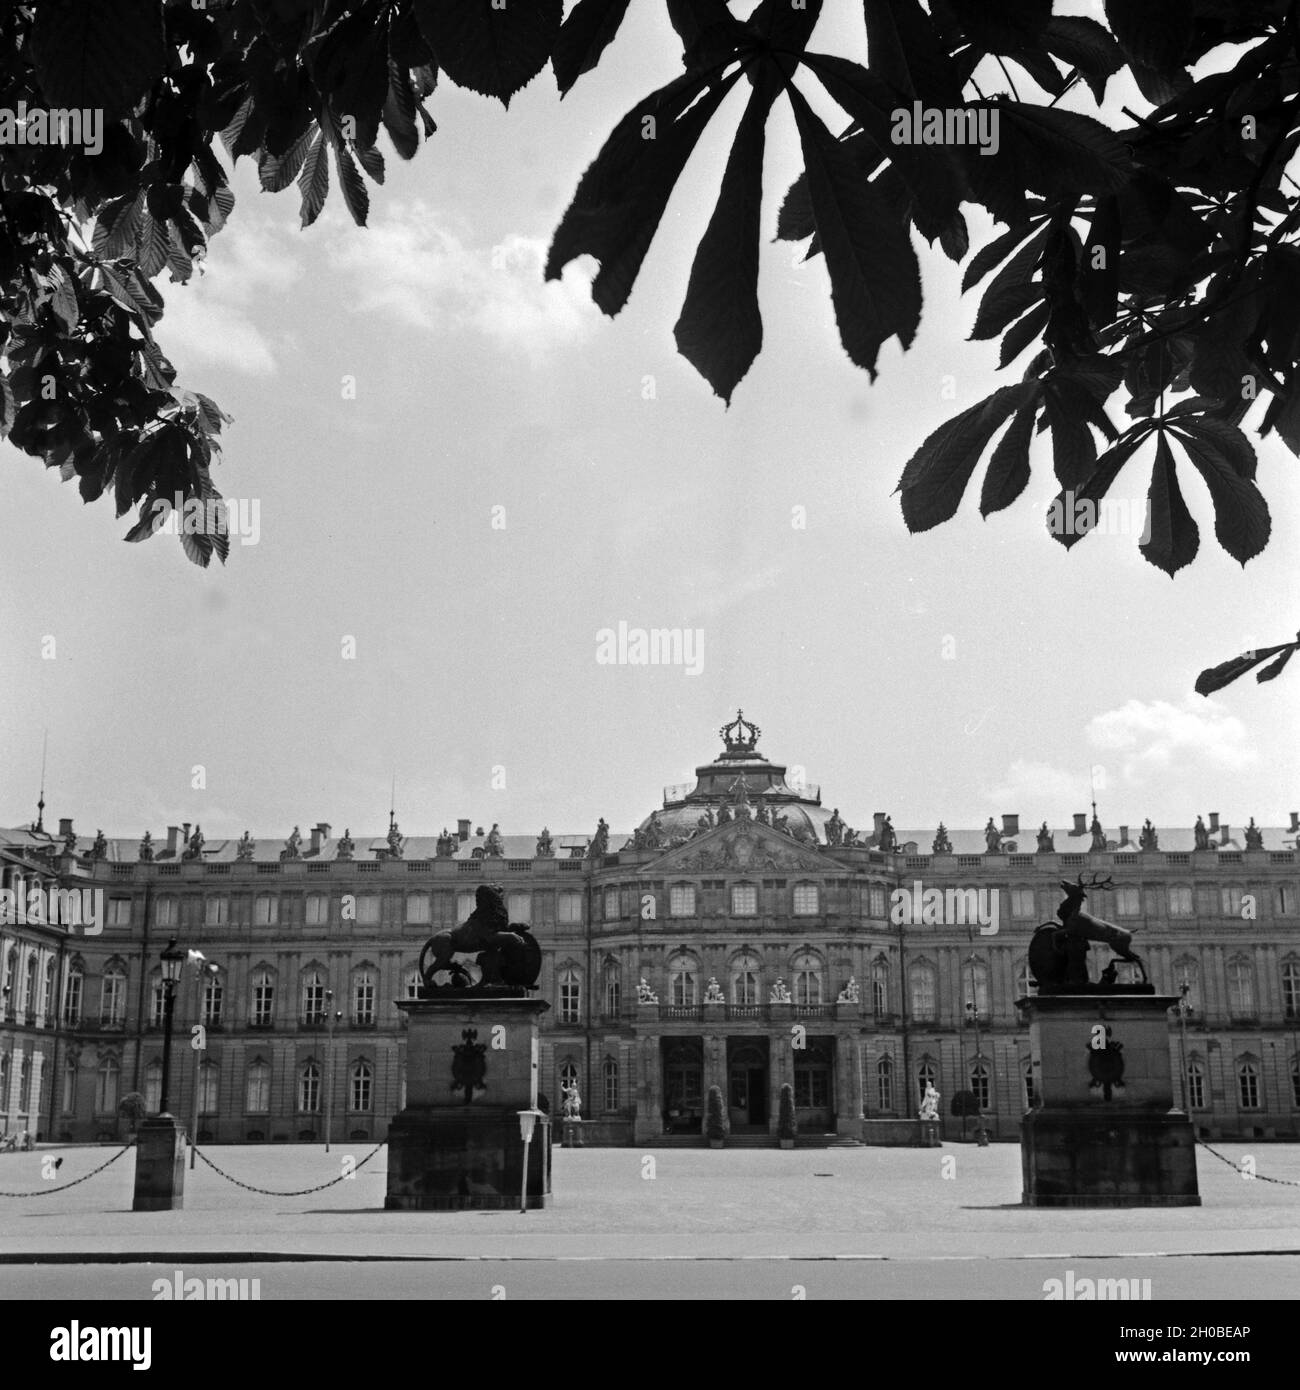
pixel 713 1124
pixel 132 1109
pixel 787 1126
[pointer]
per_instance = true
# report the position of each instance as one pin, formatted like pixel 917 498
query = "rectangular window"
pixel 363 999
pixel 570 998
pixel 318 909
pixel 876 902
pixel 263 1003
pixel 1248 1086
pixel 368 908
pixel 119 912
pixel 166 912
pixel 257 1099
pixel 417 908
pixel 1230 899
pixel 1128 902
pixel 744 900
pixel 805 900
pixel 72 999
pixel 519 907
pixel 113 1007
pixel 1284 900
pixel 681 900
pixel 216 912
pixel 1022 902
pixel 1180 902
pixel 611 1084
pixel 464 906
pixel 811 1088
pixel 568 908
pixel 1195 1087
pixel 213 994
pixel 611 905
pixel 266 910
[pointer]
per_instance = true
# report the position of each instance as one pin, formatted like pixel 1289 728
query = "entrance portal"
pixel 683 1062
pixel 814 1077
pixel 747 1084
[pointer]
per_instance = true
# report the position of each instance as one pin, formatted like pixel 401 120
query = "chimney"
pixel 1295 820
pixel 879 818
pixel 1080 823
pixel 173 837
pixel 185 831
pixel 1123 836
pixel 319 834
pixel 1223 834
pixel 1010 824
pixel 65 827
pixel 462 830
pixel 1214 822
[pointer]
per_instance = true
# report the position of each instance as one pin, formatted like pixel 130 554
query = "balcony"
pixel 680 1012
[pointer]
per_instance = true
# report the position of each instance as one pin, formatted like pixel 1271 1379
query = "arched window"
pixel 214 993
pixel 807 979
pixel 1248 1085
pixel 153 1087
pixel 885 1083
pixel 313 998
pixel 29 983
pixel 613 989
pixel 880 988
pixel 975 991
pixel 361 1089
pixel 73 989
pixel 25 1084
pixel 924 993
pixel 47 994
pixel 682 981
pixel 570 996
pixel 209 1079
pixel 1241 989
pixel 979 1083
pixel 106 1080
pixel 745 972
pixel 309 1087
pixel 363 998
pixel 1291 989
pixel 1195 1085
pixel 609 1076
pixel 257 1091
pixel 112 1007
pixel 263 999
pixel 926 1075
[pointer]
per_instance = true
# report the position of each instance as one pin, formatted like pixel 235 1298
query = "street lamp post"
pixel 1184 1008
pixel 159 1154
pixel 332 1015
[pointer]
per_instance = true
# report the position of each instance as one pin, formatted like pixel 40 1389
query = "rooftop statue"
pixel 292 846
pixel 446 844
pixel 345 847
pixel 942 844
pixel 545 845
pixel 1148 838
pixel 993 838
pixel 888 840
pixel 1254 836
pixel 195 850
pixel 99 850
pixel 1058 955
pixel 244 849
pixel 835 828
pixel 394 838
pixel 1046 842
pixel 599 846
pixel 493 847
pixel 1201 833
pixel 508 955
pixel 146 849
pixel 1098 834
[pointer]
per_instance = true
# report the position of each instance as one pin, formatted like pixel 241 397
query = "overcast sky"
pixel 974 670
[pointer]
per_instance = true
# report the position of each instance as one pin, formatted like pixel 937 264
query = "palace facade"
pixel 743 936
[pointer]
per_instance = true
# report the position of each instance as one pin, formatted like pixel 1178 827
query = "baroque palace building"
pixel 743 936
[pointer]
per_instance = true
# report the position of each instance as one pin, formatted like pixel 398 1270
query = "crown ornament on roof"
pixel 740 735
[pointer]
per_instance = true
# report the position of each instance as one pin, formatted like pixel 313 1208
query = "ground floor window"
pixel 609 1075
pixel 362 1079
pixel 309 1087
pixel 1248 1085
pixel 885 1083
pixel 979 1083
pixel 1195 1086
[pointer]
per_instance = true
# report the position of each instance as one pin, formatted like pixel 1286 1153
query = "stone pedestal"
pixel 159 1165
pixel 1105 1132
pixel 471 1066
pixel 571 1134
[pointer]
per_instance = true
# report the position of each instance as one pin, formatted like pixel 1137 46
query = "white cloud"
pixel 1046 789
pixel 207 320
pixel 421 273
pixel 1155 737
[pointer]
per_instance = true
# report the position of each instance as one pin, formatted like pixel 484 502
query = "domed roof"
pixel 740 775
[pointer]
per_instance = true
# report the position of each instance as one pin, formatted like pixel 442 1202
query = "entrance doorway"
pixel 814 1073
pixel 747 1084
pixel 683 1062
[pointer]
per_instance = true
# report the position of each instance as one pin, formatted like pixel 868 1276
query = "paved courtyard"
pixel 955 1206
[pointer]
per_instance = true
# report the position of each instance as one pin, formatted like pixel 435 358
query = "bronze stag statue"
pixel 508 954
pixel 1058 953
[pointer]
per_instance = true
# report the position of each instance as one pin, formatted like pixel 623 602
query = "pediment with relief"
pixel 741 846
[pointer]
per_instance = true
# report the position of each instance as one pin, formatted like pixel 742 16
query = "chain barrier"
pixel 1256 1177
pixel 300 1192
pixel 63 1187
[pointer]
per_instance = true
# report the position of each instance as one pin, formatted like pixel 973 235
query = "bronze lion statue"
pixel 508 955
